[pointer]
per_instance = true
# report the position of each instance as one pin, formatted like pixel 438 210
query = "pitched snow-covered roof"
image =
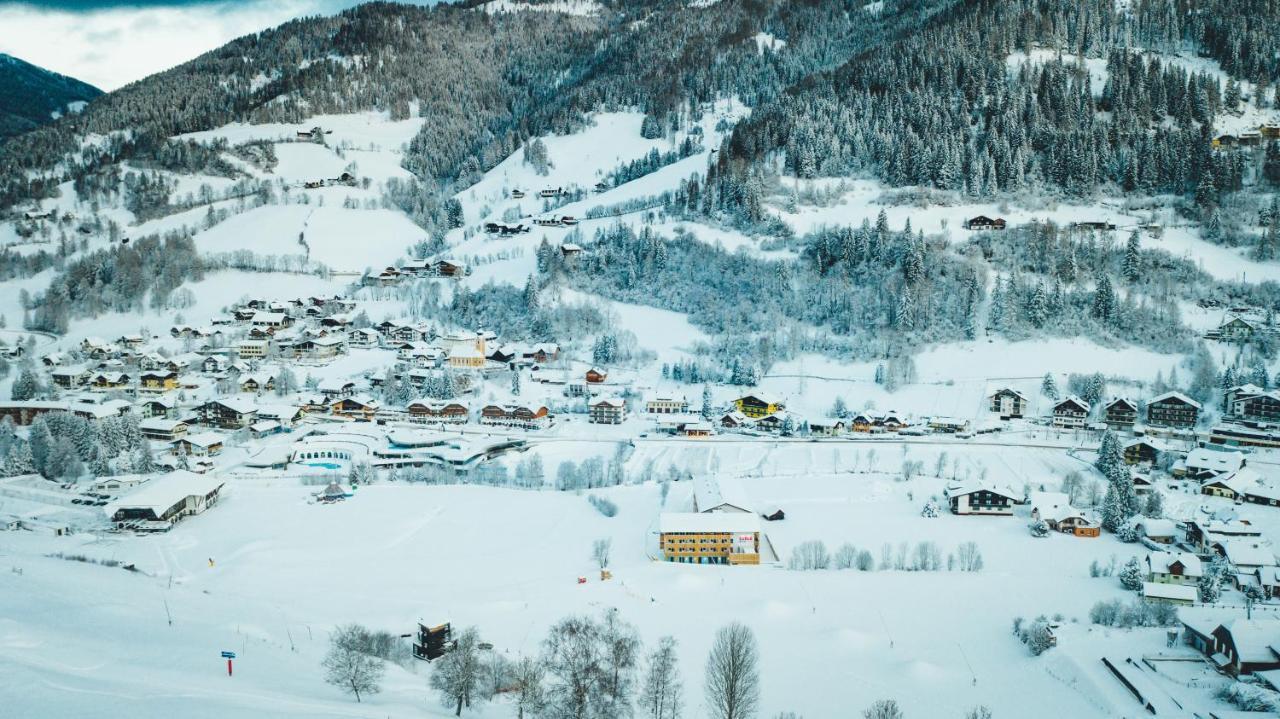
pixel 1214 460
pixel 727 522
pixel 1159 563
pixel 711 493
pixel 957 489
pixel 202 439
pixel 1052 506
pixel 1253 638
pixel 1248 553
pixel 1174 395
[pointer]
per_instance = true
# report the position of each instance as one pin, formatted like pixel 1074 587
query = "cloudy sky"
pixel 110 43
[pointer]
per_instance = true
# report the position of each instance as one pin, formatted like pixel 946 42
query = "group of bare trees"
pixel 588 668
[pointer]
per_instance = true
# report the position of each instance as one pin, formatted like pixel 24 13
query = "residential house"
pixel 595 375
pixel 159 381
pixel 227 413
pixel 253 349
pixel 69 377
pixel 1173 409
pixel 163 429
pixel 1055 510
pixel 1213 534
pixel 1120 413
pixel 982 222
pixel 1179 594
pixel 1207 462
pixel 757 406
pixel 202 444
pixel 1070 413
pixel 976 497
pixel 363 338
pixel 160 406
pixel 336 388
pixel 520 416
pixel 361 408
pixel 1244 646
pixel 1009 403
pixel 1256 407
pixel 430 412
pixel 1174 568
pixel 608 410
pixel 1160 531
pixel 1143 450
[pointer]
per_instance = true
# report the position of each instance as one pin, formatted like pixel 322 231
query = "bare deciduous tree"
pixel 883 709
pixel 600 550
pixel 457 675
pixel 527 677
pixel 661 692
pixel 348 668
pixel 733 679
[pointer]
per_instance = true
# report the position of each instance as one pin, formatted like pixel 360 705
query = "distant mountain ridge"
pixel 30 95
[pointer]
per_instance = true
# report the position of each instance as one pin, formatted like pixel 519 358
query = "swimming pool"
pixel 323 465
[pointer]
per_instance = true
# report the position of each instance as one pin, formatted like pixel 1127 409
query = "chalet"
pixel 1250 138
pixel 1143 450
pixel 1244 646
pixel 595 375
pixel 161 406
pixel 551 192
pixel 287 415
pixel 1009 403
pixel 1174 568
pixel 159 381
pixel 608 410
pixel 320 347
pixel 720 494
pixel 504 355
pixel 1205 463
pixel 68 377
pixel 1270 130
pixel 55 359
pixel 709 538
pixel 980 498
pixel 214 364
pixel 106 381
pixel 1142 483
pixel 1055 510
pixel 1243 485
pixel 227 413
pixel 571 251
pixel 1212 535
pixel 449 269
pixel 1160 531
pixel 542 353
pixel 1237 329
pixel 430 412
pixel 14 352
pixel 131 340
pixel 203 444
pixel 271 320
pixel 568 220
pixel 695 429
pixel 1120 413
pixel 520 416
pixel 336 388
pixel 517 194
pixel 160 428
pixel 734 420
pixel 757 406
pixel 1173 409
pixel 982 222
pixel 257 382
pixel 1256 407
pixel 1070 413
pixel 388 277
pixel 167 498
pixel 666 405
pixel 361 408
pixel 1247 555
pixel 363 338
pixel 1099 225
pixel 503 230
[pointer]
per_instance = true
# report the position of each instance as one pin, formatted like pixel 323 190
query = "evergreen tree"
pixel 1131 265
pixel 1049 388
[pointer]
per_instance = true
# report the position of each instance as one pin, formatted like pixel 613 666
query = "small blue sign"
pixel 228 655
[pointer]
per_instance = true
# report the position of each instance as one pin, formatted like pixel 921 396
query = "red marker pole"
pixel 228 667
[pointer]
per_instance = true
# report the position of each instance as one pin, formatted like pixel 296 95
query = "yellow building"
pixel 159 381
pixel 710 538
pixel 756 406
